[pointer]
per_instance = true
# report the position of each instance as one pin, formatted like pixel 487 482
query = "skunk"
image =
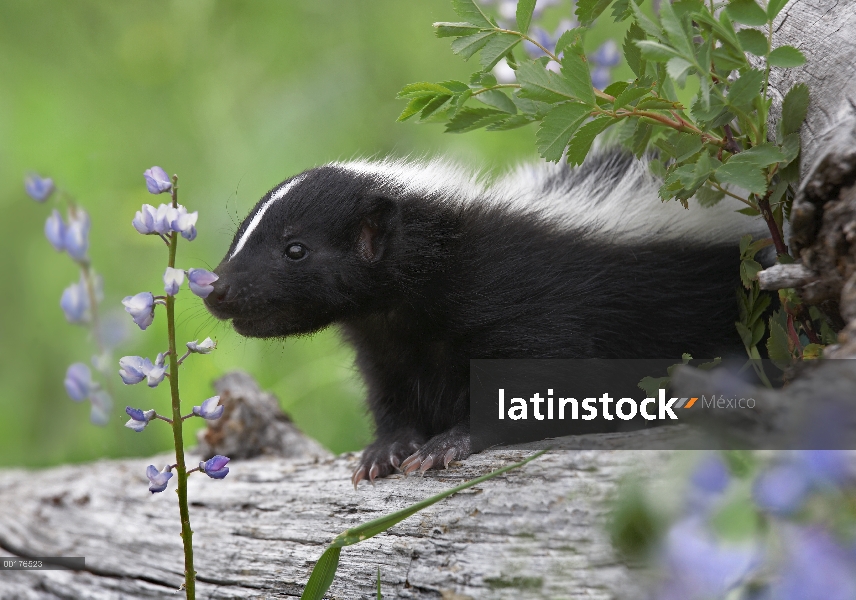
pixel 425 265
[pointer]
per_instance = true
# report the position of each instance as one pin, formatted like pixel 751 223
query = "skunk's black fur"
pixel 425 268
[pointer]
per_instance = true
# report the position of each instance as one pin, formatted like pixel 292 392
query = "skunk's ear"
pixel 376 227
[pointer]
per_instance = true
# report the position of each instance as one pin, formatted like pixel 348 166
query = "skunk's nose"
pixel 219 293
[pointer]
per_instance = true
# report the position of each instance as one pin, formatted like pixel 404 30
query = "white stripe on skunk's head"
pixel 278 194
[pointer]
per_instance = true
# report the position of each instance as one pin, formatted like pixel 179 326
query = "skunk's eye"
pixel 295 251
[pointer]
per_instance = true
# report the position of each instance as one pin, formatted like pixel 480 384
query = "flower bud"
pixel 144 220
pixel 185 223
pixel 159 479
pixel 139 419
pixel 210 409
pixel 55 231
pixel 38 188
pixel 205 347
pixel 141 307
pixel 172 280
pixel 157 181
pixel 75 303
pixel 607 54
pixel 76 238
pixel 162 218
pixel 157 372
pixel 133 369
pixel 200 281
pixel 78 382
pixel 215 467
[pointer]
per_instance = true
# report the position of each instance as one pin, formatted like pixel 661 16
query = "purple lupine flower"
pixel 172 280
pixel 78 382
pixel 159 479
pixel 205 347
pixel 75 303
pixel 825 467
pixel 607 54
pixel 76 235
pixel 722 568
pixel 184 222
pixel 139 419
pixel 200 282
pixel 157 181
pixel 133 369
pixel 162 219
pixel 55 230
pixel 144 220
pixel 781 489
pixel 710 475
pixel 210 409
pixel 816 567
pixel 215 467
pixel 600 77
pixel 101 403
pixel 141 307
pixel 38 188
pixel 157 372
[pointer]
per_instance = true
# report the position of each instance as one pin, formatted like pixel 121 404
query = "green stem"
pixel 496 87
pixel 180 466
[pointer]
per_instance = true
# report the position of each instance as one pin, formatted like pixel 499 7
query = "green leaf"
pixel 510 123
pixel 615 88
pixel 584 137
pixel 675 30
pixel 790 147
pixel 423 88
pixel 498 100
pixel 745 334
pixel 436 107
pixel 641 138
pixel 778 346
pixel 652 385
pixel 458 87
pixel 708 196
pixel 677 69
pixel 744 175
pixel 726 59
pixel 786 56
pixel 749 212
pixel 762 155
pixel 322 575
pixel 414 107
pixel 557 127
pixel 470 12
pixel 379 595
pixel 774 7
pixel 656 51
pixel 576 72
pixel 654 103
pixel 572 38
pixel 647 25
pixel 497 47
pixel 723 28
pixel 444 29
pixel 533 108
pixel 686 144
pixel 812 352
pixel 540 84
pixel 744 90
pixel 632 53
pixel 470 44
pixel 470 119
pixel 746 12
pixel 753 41
pixel 589 10
pixel 794 109
pixel 621 10
pixel 525 8
pixel 629 95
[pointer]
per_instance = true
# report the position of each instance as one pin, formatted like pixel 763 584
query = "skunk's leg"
pixel 453 444
pixel 383 456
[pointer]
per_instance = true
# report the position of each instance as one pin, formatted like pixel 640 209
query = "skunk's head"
pixel 311 252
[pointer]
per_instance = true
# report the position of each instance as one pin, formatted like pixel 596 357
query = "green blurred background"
pixel 233 97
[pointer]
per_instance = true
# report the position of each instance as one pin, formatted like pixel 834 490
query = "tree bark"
pixel 534 532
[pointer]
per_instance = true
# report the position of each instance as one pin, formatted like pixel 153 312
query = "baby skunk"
pixel 425 266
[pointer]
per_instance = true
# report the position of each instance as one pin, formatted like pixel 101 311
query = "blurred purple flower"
pixel 205 347
pixel 38 188
pixel 139 419
pixel 710 475
pixel 159 479
pixel 825 467
pixel 157 372
pixel 600 77
pixel 210 409
pixel 782 489
pixel 133 369
pixel 157 181
pixel 699 567
pixel 543 38
pixel 144 220
pixel 75 303
pixel 172 280
pixel 55 230
pixel 200 281
pixel 607 54
pixel 816 567
pixel 215 467
pixel 141 308
pixel 76 235
pixel 78 382
pixel 101 403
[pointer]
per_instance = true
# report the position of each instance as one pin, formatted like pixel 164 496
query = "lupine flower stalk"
pixel 169 222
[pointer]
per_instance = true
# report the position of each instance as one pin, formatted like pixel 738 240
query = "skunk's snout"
pixel 220 292
pixel 218 300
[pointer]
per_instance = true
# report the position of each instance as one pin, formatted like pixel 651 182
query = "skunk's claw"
pixel 439 451
pixel 384 457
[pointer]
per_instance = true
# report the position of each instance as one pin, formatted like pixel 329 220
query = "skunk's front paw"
pixel 384 456
pixel 440 450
